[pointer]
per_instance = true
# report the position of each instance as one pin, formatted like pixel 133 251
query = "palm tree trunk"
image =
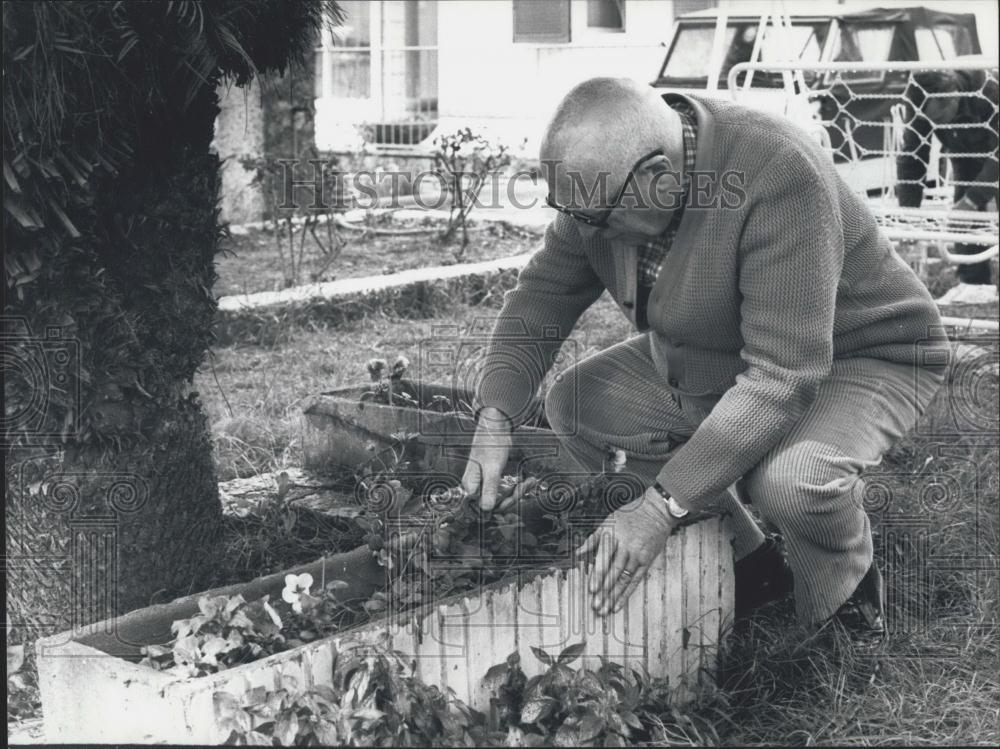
pixel 89 538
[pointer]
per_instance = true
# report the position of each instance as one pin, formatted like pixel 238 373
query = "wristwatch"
pixel 676 511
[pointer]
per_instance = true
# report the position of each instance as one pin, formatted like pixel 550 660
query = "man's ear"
pixel 665 181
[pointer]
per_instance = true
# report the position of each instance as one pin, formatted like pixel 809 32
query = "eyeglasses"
pixel 601 221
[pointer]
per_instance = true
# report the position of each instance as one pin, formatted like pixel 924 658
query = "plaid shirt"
pixel 652 254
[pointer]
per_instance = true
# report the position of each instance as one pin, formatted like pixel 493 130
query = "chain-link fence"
pixel 918 139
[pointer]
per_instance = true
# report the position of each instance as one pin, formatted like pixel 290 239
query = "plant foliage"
pixel 110 220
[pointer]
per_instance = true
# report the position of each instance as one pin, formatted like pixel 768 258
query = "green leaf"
pixel 10 178
pixel 495 675
pixel 591 725
pixel 568 735
pixel 286 729
pixel 573 652
pixel 20 213
pixel 213 647
pixel 538 709
pixel 542 656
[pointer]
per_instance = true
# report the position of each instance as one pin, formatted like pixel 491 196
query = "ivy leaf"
pixel 327 734
pixel 591 725
pixel 568 733
pixel 214 646
pixel 210 607
pixel 256 738
pixel 573 652
pixel 633 720
pixel 186 650
pixel 542 656
pixel 538 709
pixel 494 677
pixel 286 728
pixel 613 739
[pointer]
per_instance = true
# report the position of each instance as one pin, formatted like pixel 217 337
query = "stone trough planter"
pixel 94 690
pixel 339 429
pixel 93 693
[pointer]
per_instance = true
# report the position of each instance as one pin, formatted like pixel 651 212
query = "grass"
pixel 938 680
pixel 250 262
pixel 253 394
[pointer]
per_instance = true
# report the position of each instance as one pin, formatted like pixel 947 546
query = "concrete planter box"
pixel 336 427
pixel 92 693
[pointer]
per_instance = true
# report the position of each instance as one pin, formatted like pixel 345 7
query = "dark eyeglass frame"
pixel 601 221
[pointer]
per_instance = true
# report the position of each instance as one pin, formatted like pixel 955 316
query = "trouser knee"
pixel 797 488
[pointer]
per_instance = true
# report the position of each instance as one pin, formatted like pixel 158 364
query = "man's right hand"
pixel 491 447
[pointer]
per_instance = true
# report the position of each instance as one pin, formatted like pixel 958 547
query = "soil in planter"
pixel 258 545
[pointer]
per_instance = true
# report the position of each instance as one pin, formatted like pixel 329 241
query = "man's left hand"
pixel 627 543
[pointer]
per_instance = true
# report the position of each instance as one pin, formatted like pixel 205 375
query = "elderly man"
pixel 777 348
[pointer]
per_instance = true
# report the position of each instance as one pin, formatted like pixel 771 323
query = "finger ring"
pixel 626 573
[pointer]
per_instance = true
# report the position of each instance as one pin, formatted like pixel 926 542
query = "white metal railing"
pixel 825 100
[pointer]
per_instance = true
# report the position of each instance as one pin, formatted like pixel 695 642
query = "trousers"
pixel 809 485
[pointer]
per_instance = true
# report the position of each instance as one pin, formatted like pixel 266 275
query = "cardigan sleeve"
pixel 552 291
pixel 790 261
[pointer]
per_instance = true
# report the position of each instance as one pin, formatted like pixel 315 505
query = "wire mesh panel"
pixel 918 139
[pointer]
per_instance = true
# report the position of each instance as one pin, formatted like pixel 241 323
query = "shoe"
pixel 762 576
pixel 862 615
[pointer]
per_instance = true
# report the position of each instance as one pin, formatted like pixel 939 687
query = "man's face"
pixel 647 201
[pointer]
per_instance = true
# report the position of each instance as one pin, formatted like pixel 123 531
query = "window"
pixel 942 42
pixel 541 21
pixel 691 53
pixel 868 43
pixel 350 67
pixel 865 43
pixel 606 14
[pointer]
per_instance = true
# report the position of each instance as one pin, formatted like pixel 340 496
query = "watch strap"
pixel 675 510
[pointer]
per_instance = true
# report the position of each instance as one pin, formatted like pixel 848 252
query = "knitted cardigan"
pixel 759 293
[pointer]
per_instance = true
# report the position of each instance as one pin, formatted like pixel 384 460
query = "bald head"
pixel 606 124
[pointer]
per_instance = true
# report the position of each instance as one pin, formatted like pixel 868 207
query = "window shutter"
pixel 541 21
pixel 689 6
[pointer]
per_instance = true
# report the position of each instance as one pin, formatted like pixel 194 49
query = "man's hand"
pixel 627 543
pixel 487 457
